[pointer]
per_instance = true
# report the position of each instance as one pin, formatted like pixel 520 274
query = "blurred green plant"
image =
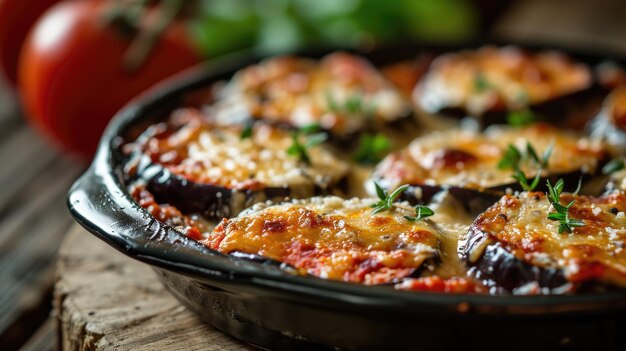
pixel 221 26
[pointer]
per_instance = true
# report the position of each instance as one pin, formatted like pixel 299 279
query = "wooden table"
pixel 34 180
pixel 106 301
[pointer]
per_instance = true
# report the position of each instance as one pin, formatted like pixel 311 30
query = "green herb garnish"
pixel 421 212
pixel 523 181
pixel 566 224
pixel 521 118
pixel 386 200
pixel 246 133
pixel 353 105
pixel 481 83
pixel 299 148
pixel 513 157
pixel 372 148
pixel 613 166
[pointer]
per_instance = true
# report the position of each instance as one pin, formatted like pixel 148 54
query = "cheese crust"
pixel 470 159
pixel 332 238
pixel 496 79
pixel 206 153
pixel 519 224
pixel 342 92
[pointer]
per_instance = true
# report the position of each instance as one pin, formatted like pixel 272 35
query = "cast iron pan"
pixel 271 308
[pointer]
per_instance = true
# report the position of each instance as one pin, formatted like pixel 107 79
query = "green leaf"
pixel 532 154
pixel 421 212
pixel 372 148
pixel 546 155
pixel 397 193
pixel 566 224
pixel 315 139
pixel 480 83
pixel 246 133
pixel 310 128
pixel 380 192
pixel 386 201
pixel 511 158
pixel 555 216
pixel 613 166
pixel 523 181
pixel 521 118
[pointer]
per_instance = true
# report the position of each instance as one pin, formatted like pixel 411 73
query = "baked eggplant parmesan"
pixel 488 82
pixel 519 246
pixel 217 171
pixel 343 93
pixel 244 168
pixel 477 166
pixel 333 238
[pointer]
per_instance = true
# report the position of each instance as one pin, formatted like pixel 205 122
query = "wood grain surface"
pixel 106 301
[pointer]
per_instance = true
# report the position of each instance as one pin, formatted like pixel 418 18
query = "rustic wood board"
pixel 106 301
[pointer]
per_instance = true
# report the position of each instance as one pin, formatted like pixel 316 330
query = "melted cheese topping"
pixel 494 79
pixel 219 156
pixel 594 251
pixel 470 159
pixel 332 238
pixel 343 93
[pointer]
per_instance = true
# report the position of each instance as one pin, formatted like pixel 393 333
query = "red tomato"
pixel 16 19
pixel 71 76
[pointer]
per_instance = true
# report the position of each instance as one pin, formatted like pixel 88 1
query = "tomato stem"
pixel 146 40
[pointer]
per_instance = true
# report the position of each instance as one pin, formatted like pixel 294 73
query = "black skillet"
pixel 272 308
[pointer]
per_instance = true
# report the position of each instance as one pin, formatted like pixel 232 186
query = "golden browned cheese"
pixel 332 238
pixel 205 153
pixel 593 252
pixel 495 79
pixel 470 159
pixel 342 92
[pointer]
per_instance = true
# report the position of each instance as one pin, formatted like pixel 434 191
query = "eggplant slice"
pixel 467 163
pixel 343 93
pixel 489 82
pixel 212 170
pixel 333 238
pixel 514 246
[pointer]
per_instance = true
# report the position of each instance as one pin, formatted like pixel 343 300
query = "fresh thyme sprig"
pixel 355 104
pixel 386 200
pixel 421 212
pixel 521 118
pixel 372 148
pixel 299 148
pixel 523 181
pixel 513 157
pixel 566 223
